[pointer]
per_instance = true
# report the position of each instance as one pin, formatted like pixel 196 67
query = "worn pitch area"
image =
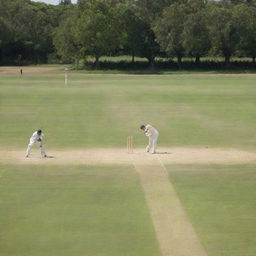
pixel 97 156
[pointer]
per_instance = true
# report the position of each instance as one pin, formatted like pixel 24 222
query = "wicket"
pixel 130 144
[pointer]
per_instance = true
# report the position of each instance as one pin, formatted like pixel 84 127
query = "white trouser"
pixel 31 143
pixel 152 143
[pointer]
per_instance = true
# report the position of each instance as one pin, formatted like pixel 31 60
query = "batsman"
pixel 152 134
pixel 37 136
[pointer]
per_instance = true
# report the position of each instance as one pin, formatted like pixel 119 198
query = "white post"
pixel 66 76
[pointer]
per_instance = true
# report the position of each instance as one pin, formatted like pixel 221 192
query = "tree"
pixel 133 26
pixel 99 28
pixel 222 32
pixel 150 10
pixel 147 11
pixel 149 46
pixel 196 41
pixel 34 30
pixel 5 37
pixel 31 27
pixel 65 38
pixel 169 29
pixel 244 20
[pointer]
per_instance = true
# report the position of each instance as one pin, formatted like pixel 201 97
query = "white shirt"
pixel 150 131
pixel 35 136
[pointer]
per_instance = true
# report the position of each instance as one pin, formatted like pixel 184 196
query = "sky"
pixel 52 1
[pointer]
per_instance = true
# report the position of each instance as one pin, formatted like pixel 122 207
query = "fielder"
pixel 37 136
pixel 152 135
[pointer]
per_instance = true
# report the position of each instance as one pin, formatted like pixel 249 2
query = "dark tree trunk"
pixel 77 63
pixel 133 57
pixel 179 61
pixel 97 63
pixel 253 59
pixel 197 59
pixel 151 61
pixel 227 60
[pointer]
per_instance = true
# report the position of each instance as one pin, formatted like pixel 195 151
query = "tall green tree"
pixel 196 41
pixel 100 29
pixel 31 27
pixel 65 38
pixel 150 10
pixel 169 29
pixel 6 36
pixel 133 26
pixel 150 48
pixel 222 32
pixel 244 20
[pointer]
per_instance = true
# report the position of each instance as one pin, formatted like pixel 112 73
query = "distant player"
pixel 37 136
pixel 152 135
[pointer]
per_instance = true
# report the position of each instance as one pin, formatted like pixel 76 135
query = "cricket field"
pixel 195 197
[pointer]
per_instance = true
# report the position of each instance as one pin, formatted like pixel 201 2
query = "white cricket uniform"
pixel 152 134
pixel 33 139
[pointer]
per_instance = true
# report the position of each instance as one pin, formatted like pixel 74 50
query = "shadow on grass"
pixel 163 153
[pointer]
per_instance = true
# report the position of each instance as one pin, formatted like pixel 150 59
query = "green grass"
pixel 67 210
pixel 102 110
pixel 220 202
pixel 96 211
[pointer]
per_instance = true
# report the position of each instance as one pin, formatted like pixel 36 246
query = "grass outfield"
pixel 101 210
pixel 220 201
pixel 102 110
pixel 73 211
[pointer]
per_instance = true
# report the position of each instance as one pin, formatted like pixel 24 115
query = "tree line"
pixel 32 32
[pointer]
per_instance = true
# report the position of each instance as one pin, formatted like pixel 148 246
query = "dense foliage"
pixel 33 32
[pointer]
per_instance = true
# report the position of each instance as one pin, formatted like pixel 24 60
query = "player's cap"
pixel 39 131
pixel 142 127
